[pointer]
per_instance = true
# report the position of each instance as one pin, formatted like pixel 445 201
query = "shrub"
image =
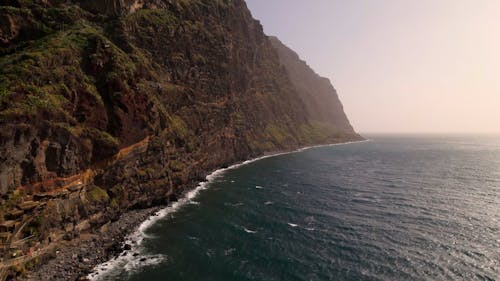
pixel 97 194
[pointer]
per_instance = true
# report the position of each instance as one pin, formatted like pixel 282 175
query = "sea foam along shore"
pixel 135 256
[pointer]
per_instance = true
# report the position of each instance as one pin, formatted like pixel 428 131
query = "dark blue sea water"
pixel 393 208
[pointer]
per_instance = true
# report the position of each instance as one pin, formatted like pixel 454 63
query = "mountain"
pixel 317 93
pixel 112 105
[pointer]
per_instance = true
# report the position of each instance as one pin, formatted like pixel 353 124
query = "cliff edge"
pixel 320 98
pixel 112 105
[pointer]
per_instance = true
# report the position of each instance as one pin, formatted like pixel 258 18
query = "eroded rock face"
pixel 34 154
pixel 111 105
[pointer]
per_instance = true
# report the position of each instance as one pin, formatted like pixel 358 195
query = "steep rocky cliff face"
pixel 108 105
pixel 317 93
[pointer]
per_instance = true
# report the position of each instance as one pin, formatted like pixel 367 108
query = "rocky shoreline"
pixel 112 106
pixel 74 260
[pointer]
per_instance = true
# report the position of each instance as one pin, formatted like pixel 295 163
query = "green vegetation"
pixel 26 74
pixel 97 194
pixel 116 190
pixel 114 203
pixel 33 228
pixel 199 59
pixel 318 132
pixel 179 127
pixel 176 166
pixel 101 137
pixel 150 17
pixel 15 198
pixel 4 96
pixel 277 134
pixel 168 73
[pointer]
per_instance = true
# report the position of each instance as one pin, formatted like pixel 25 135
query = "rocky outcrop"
pixel 107 106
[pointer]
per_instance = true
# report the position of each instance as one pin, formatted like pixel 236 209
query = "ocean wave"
pixel 249 231
pixel 128 261
pixel 135 258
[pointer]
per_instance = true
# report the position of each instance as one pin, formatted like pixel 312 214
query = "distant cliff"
pixel 109 105
pixel 317 93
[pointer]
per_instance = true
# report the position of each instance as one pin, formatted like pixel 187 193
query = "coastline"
pixel 93 256
pixel 75 259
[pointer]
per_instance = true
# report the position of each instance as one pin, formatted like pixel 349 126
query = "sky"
pixel 399 66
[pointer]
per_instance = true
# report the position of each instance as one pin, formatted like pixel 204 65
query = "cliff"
pixel 317 93
pixel 111 105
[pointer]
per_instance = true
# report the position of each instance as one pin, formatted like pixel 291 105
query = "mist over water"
pixel 394 208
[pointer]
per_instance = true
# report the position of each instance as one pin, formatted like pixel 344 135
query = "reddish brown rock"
pixel 112 105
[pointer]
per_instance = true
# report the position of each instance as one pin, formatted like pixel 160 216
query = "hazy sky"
pixel 399 65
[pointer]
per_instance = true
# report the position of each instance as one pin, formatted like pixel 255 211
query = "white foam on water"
pixel 131 260
pixel 134 259
pixel 144 261
pixel 210 253
pixel 229 251
pixel 249 231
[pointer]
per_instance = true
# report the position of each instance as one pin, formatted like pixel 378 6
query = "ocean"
pixel 413 207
